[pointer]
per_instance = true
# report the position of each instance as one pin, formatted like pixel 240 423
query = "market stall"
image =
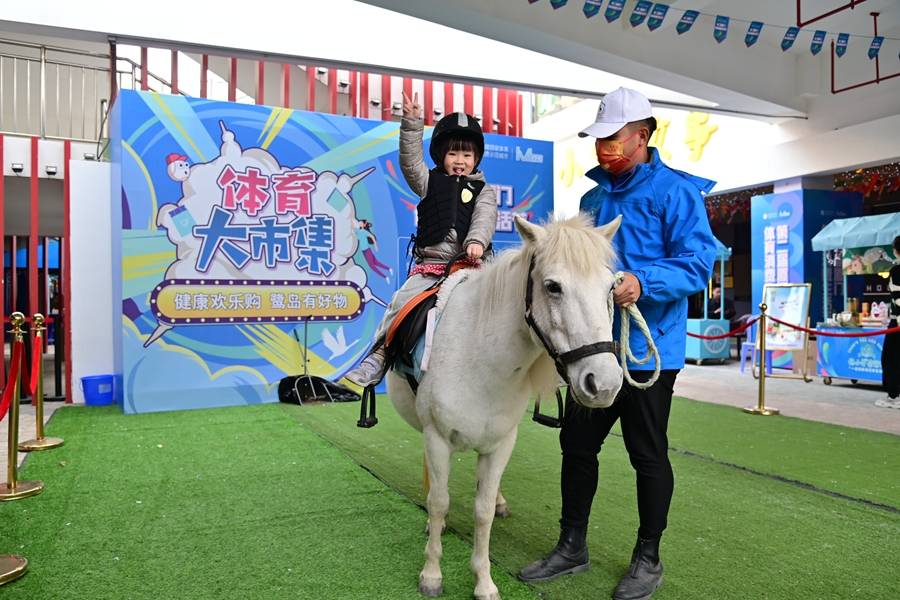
pixel 861 248
pixel 698 349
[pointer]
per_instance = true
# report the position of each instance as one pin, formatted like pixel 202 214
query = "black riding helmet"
pixel 456 125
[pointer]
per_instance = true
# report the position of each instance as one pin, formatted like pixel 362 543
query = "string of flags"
pixel 654 13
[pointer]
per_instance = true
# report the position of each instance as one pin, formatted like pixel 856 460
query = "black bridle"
pixel 561 360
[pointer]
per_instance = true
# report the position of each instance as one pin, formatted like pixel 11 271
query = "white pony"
pixel 487 361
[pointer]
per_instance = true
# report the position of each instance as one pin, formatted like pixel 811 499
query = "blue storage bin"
pixel 98 390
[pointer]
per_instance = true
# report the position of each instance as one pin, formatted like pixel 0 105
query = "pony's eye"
pixel 553 287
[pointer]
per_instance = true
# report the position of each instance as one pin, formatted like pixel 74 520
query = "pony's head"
pixel 571 283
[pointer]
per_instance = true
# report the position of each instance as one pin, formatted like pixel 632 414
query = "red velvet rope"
pixel 731 333
pixel 36 356
pixel 14 366
pixel 835 334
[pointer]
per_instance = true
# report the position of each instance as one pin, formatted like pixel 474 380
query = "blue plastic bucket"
pixel 98 390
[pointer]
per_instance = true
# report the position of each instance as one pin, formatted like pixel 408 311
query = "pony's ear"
pixel 610 229
pixel 530 232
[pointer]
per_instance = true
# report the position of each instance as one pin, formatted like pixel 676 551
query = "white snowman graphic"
pixel 178 167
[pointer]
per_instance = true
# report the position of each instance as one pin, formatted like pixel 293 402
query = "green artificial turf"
pixel 242 503
pixel 764 507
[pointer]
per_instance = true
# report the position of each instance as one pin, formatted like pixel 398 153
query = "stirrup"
pixel 555 422
pixel 367 421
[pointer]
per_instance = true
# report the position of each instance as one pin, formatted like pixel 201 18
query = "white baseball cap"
pixel 617 109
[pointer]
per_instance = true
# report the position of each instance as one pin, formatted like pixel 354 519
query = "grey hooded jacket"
pixel 484 216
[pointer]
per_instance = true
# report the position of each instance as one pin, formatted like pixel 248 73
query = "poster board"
pixel 788 302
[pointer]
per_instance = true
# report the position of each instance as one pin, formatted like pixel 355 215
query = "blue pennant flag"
pixel 657 15
pixel 720 31
pixel 753 33
pixel 841 47
pixel 876 46
pixel 592 8
pixel 789 37
pixel 640 12
pixel 614 10
pixel 842 41
pixel 817 41
pixel 558 3
pixel 687 21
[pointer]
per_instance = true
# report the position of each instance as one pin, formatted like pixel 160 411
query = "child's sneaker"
pixel 370 371
pixel 888 403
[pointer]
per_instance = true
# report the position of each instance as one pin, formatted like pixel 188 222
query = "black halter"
pixel 562 359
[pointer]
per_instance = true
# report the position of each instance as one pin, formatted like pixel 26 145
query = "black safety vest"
pixel 448 203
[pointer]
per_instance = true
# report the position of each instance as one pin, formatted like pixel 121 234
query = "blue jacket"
pixel 665 241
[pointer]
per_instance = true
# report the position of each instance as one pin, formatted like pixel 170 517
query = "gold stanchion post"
pixel 39 442
pixel 761 408
pixel 13 489
pixel 12 567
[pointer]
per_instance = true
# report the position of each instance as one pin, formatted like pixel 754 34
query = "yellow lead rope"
pixel 627 314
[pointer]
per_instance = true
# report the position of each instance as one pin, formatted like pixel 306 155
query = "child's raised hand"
pixel 474 250
pixel 411 108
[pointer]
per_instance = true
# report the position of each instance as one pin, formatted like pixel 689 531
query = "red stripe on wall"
pixel 2 266
pixel 501 112
pixel 408 87
pixel 469 99
pixel 145 83
pixel 67 271
pixel 354 93
pixel 521 102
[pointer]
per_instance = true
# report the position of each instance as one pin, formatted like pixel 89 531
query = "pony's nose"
pixel 590 384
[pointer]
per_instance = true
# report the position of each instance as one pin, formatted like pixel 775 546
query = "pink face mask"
pixel 611 154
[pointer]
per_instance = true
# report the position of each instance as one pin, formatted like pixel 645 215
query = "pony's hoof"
pixel 430 588
pixel 494 596
pixel 501 511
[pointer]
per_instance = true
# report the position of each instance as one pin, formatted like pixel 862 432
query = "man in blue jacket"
pixel 666 250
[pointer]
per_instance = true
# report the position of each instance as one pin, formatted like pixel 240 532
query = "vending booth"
pixel 859 251
pixel 700 350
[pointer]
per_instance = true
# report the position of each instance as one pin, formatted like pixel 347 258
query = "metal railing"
pixel 61 93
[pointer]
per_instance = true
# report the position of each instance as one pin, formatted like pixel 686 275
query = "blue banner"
pixel 818 39
pixel 850 358
pixel 614 10
pixel 640 12
pixel 842 41
pixel 241 226
pixel 657 16
pixel 720 31
pixel 875 48
pixel 789 37
pixel 592 8
pixel 558 3
pixel 687 21
pixel 753 33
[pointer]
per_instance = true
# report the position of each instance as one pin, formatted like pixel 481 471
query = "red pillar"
pixel 408 87
pixel 310 88
pixel 385 97
pixel 286 86
pixel 2 268
pixel 428 107
pixel 33 233
pixel 66 288
pixel 469 99
pixel 332 91
pixel 354 93
pixel 521 101
pixel 204 74
pixel 501 112
pixel 261 82
pixel 364 95
pixel 448 97
pixel 145 84
pixel 174 69
pixel 487 109
pixel 232 81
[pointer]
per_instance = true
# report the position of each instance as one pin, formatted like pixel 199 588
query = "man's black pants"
pixel 645 417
